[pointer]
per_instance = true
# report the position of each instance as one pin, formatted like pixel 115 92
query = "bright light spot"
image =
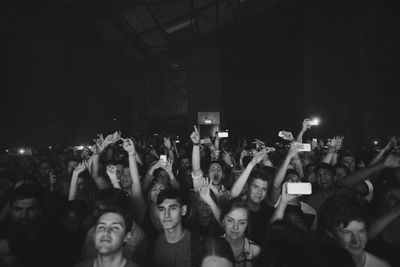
pixel 50 147
pixel 315 121
pixel 207 121
pixel 115 119
pixel 79 147
pixel 375 142
pixel 7 150
pixel 21 151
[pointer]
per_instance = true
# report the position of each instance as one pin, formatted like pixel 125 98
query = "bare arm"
pixel 391 161
pixel 136 187
pixel 279 212
pixel 195 136
pixel 206 197
pixel 306 125
pixel 74 180
pixel 380 223
pixel 242 180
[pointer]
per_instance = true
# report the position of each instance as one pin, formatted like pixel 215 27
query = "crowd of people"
pixel 151 201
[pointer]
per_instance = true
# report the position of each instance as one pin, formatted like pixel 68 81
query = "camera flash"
pixel 21 151
pixel 314 121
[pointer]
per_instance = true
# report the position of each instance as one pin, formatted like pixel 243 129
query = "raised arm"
pixel 168 168
pixel 136 187
pixel 391 161
pixel 169 148
pixel 206 197
pixel 100 145
pixel 242 180
pixel 380 223
pixel 280 174
pixel 381 153
pixel 306 125
pixel 196 167
pixel 74 180
pixel 149 175
pixel 279 212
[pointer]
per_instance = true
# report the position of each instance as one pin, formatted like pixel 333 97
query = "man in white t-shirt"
pixel 343 219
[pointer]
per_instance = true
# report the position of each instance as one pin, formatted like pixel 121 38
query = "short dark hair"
pixel 113 198
pixel 213 246
pixel 171 193
pixel 234 203
pixel 126 214
pixel 340 210
pixel 325 166
pixel 26 191
pixel 259 174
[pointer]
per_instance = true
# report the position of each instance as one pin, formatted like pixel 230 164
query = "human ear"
pixel 128 236
pixel 184 209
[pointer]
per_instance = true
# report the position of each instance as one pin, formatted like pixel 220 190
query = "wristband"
pixel 196 144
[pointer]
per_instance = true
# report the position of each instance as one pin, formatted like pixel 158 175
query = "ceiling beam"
pixel 179 19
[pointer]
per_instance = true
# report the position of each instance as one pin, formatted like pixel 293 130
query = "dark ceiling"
pixel 144 28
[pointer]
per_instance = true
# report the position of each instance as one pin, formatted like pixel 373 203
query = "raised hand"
pixel 204 191
pixel 227 159
pixel 286 135
pixel 195 136
pixel 112 138
pixel 258 156
pixel 128 146
pixel 167 142
pixel 285 196
pixel 111 170
pixel 294 149
pixel 81 167
pixel 306 124
pixel 86 153
pixel 167 166
pixel 259 144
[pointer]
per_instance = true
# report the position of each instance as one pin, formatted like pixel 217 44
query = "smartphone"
pixel 314 122
pixel 305 147
pixel 205 141
pixel 163 159
pixel 223 134
pixel 299 188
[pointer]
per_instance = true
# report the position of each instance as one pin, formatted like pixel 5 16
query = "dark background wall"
pixel 61 82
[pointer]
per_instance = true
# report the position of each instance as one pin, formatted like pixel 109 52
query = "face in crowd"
pixel 184 163
pixel 349 162
pixel 155 190
pixel 325 179
pixel 257 190
pixel 126 181
pixel 215 173
pixel 235 223
pixel 170 212
pixel 111 233
pixel 26 212
pixel 353 237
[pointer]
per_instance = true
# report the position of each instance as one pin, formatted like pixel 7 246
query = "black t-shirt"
pixel 258 223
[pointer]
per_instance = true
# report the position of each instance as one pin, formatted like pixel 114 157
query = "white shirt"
pixel 373 261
